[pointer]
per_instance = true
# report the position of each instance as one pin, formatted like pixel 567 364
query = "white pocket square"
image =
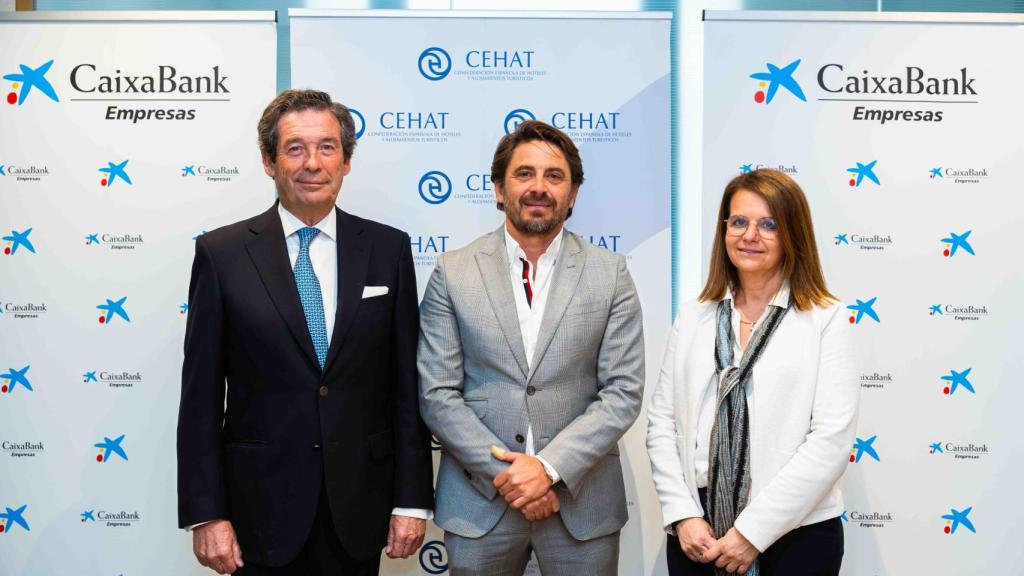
pixel 371 291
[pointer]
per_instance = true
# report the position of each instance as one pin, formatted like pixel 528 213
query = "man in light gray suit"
pixel 531 362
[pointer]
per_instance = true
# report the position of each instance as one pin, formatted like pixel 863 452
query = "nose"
pixel 312 163
pixel 751 234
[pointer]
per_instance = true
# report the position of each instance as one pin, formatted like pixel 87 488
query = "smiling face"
pixel 537 192
pixel 309 165
pixel 751 253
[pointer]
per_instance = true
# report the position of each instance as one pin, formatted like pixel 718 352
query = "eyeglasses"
pixel 738 224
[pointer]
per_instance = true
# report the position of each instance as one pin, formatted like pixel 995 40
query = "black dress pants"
pixel 811 550
pixel 321 555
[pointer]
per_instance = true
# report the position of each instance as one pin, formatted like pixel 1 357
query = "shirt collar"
pixel 781 298
pixel 515 252
pixel 291 224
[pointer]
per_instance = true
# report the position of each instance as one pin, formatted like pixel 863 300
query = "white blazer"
pixel 803 413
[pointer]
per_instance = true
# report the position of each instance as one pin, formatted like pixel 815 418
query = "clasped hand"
pixel 525 485
pixel 732 552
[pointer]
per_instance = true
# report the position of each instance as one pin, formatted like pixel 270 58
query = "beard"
pixel 535 226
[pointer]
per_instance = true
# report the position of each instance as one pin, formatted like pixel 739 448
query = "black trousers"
pixel 811 550
pixel 322 554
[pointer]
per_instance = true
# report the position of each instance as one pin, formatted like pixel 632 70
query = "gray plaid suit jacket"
pixel 582 394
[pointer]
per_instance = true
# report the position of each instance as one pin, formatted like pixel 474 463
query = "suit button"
pixel 520 439
pixel 316 446
pixel 530 390
pixel 323 390
pixel 467 474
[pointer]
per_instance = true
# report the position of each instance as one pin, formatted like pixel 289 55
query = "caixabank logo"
pixel 18 241
pixel 769 82
pixel 957 244
pixel 402 126
pixel 434 557
pixel 959 175
pixel 862 448
pixel 868 519
pixel 957 381
pixel 961 451
pixel 427 247
pixel 22 310
pixel 114 378
pixel 863 309
pixel 210 172
pixel 583 126
pixel 480 65
pixel 22 448
pixel 27 80
pixel 873 243
pixel 110 447
pixel 875 380
pixel 114 171
pixel 148 92
pixel 115 241
pixel 790 169
pixel 13 518
pixel 110 518
pixel 959 312
pixel 113 309
pixel 861 172
pixel 15 379
pixel 957 519
pixel 25 173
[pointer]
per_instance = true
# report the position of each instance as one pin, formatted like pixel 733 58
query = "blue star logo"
pixel 17 240
pixel 957 241
pixel 935 448
pixel 184 308
pixel 91 239
pixel 115 171
pixel 746 168
pixel 936 172
pixel 14 516
pixel 188 170
pixel 2 173
pixel 14 377
pixel 112 447
pixel 113 308
pixel 863 447
pixel 958 379
pixel 89 377
pixel 843 516
pixel 935 309
pixel 783 77
pixel 33 78
pixel 87 516
pixel 196 237
pixel 957 517
pixel 862 308
pixel 863 171
pixel 841 239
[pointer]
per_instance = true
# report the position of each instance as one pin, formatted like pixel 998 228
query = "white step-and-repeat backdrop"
pixel 433 92
pixel 122 137
pixel 904 131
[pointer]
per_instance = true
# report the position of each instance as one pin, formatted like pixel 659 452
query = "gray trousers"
pixel 505 550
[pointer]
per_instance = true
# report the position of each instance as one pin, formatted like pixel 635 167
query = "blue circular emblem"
pixel 516 117
pixel 435 187
pixel 434 557
pixel 435 63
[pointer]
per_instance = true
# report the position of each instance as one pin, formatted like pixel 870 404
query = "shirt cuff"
pixel 550 470
pixel 421 513
pixel 194 526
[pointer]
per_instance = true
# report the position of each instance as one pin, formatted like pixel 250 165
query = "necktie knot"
pixel 306 235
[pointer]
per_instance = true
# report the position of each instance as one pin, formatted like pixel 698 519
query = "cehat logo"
pixel 935 448
pixel 109 447
pixel 516 117
pixel 434 557
pixel 88 516
pixel 435 63
pixel 189 170
pixel 954 520
pixel 935 172
pixel 28 79
pixel 776 77
pixel 863 308
pixel 955 380
pixel 841 239
pixel 955 242
pixel 18 239
pixel 113 308
pixel 14 516
pixel 862 447
pixel 435 187
pixel 862 171
pixel 113 172
pixel 359 121
pixel 91 239
pixel 89 377
pixel 13 377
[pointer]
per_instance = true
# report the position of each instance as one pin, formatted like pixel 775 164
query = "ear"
pixel 268 166
pixel 499 193
pixel 572 196
pixel 346 167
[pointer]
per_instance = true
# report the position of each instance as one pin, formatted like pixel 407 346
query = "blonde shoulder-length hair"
pixel 800 263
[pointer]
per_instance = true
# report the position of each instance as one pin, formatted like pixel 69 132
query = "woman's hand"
pixel 695 538
pixel 733 552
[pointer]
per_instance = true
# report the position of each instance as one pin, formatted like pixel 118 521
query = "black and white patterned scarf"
pixel 729 474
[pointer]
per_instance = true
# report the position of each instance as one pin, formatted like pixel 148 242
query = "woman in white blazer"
pixel 753 416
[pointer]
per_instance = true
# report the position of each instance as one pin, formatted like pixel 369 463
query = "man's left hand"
pixel 405 535
pixel 733 552
pixel 522 482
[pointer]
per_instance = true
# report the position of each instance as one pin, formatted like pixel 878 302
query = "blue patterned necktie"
pixel 309 294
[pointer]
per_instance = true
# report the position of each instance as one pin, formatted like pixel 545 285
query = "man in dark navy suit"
pixel 306 318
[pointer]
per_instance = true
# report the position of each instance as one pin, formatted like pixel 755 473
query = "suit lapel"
pixel 494 269
pixel 567 273
pixel 353 260
pixel 269 254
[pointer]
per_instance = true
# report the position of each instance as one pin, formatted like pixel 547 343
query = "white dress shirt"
pixel 530 316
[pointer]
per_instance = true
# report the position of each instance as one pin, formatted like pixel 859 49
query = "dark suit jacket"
pixel 287 426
